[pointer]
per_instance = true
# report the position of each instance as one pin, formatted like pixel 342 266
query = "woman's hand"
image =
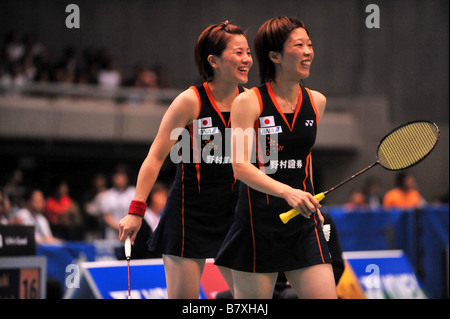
pixel 129 226
pixel 303 202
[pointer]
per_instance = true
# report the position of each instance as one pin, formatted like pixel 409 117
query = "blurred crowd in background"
pixel 57 216
pixel 23 59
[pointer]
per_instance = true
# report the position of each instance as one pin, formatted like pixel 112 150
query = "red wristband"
pixel 137 207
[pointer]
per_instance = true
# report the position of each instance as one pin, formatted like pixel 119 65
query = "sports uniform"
pixel 258 241
pixel 201 203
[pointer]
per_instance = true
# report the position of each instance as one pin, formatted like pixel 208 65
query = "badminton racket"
pixel 128 256
pixel 402 148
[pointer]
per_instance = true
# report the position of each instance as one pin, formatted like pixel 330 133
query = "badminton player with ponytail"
pixel 259 244
pixel 200 205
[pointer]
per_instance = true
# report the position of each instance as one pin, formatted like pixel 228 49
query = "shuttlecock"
pixel 326 231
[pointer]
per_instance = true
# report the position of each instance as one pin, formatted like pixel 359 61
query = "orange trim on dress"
pixel 318 240
pixel 277 106
pixel 308 159
pixel 213 103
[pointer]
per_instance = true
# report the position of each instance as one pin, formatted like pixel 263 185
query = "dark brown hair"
pixel 271 36
pixel 213 40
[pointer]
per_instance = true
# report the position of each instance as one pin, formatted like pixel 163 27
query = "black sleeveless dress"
pixel 258 241
pixel 200 206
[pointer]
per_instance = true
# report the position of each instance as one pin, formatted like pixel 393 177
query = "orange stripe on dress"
pixel 197 168
pixel 277 106
pixel 234 183
pixel 213 103
pixel 308 159
pixel 317 237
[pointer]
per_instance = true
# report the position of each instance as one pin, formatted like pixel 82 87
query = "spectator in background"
pixel 5 208
pixel 372 191
pixel 90 65
pixel 63 213
pixel 20 56
pixel 109 76
pixel 32 46
pixel 156 201
pixel 66 69
pixel 5 77
pixel 14 48
pixel 143 77
pixel 91 203
pixel 17 74
pixel 43 68
pixel 35 61
pixel 405 195
pixel 162 76
pixel 24 60
pixel 115 202
pixel 69 61
pixel 29 67
pixel 60 74
pixel 146 79
pixel 32 215
pixel 357 201
pixel 15 190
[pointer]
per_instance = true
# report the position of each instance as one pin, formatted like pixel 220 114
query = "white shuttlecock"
pixel 128 247
pixel 326 231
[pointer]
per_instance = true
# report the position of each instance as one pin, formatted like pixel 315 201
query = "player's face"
pixel 236 60
pixel 298 54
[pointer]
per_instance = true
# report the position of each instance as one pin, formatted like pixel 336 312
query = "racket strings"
pixel 407 145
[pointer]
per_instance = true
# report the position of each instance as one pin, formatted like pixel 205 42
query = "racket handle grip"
pixel 287 216
pixel 128 247
pixel 319 196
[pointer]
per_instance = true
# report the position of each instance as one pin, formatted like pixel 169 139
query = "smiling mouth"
pixel 306 63
pixel 243 70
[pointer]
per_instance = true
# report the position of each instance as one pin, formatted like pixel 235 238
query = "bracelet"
pixel 137 207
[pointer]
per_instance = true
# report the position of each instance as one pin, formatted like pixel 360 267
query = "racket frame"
pixel 285 217
pixel 398 128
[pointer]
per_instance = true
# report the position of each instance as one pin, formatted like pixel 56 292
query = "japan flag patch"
pixel 266 121
pixel 204 122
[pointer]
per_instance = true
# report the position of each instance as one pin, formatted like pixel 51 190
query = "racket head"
pixel 407 145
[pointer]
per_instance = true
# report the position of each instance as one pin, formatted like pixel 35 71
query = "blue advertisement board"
pixel 385 274
pixel 109 280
